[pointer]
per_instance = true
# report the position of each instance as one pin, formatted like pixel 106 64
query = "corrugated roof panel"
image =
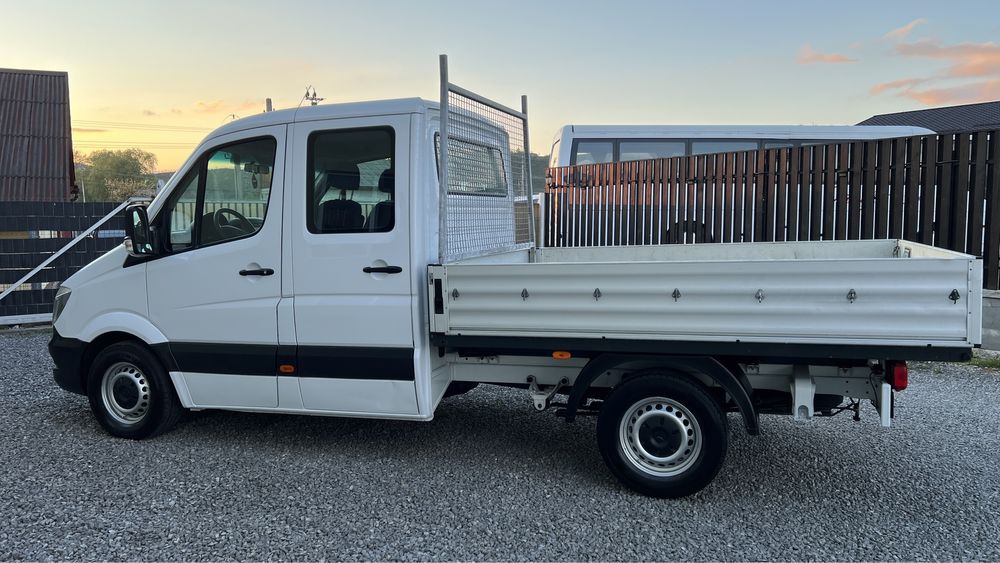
pixel 36 149
pixel 951 119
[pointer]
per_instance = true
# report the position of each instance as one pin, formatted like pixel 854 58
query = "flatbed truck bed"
pixel 807 300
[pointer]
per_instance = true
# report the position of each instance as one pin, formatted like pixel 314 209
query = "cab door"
pixel 351 259
pixel 214 288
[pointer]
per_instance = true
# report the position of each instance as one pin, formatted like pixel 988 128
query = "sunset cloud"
pixel 215 106
pixel 966 59
pixel 900 33
pixel 224 107
pixel 964 94
pixel 904 83
pixel 970 73
pixel 88 130
pixel 808 56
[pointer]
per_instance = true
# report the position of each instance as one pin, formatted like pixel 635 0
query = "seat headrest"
pixel 387 181
pixel 343 179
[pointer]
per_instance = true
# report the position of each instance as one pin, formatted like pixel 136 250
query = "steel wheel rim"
pixel 660 437
pixel 125 393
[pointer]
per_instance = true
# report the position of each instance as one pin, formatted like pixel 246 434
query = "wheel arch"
pixel 126 322
pixel 115 327
pixel 731 379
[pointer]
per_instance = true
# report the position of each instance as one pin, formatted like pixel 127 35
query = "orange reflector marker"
pixel 286 368
pixel 561 355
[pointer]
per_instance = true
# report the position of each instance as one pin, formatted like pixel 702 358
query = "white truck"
pixel 383 260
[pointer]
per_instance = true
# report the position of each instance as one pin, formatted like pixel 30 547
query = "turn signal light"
pixel 286 368
pixel 561 355
pixel 899 376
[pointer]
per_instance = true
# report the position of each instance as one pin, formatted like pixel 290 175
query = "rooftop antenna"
pixel 311 96
pixel 267 105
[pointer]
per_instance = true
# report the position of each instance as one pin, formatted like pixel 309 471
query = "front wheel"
pixel 662 434
pixel 130 392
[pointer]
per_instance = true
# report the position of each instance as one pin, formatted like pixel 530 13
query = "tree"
pixel 538 165
pixel 116 175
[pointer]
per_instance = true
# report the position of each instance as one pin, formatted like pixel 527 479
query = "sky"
pixel 161 75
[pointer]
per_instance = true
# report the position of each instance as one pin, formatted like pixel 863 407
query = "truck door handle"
pixel 382 270
pixel 257 272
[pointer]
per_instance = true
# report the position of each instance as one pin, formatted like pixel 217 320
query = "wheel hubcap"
pixel 125 393
pixel 660 436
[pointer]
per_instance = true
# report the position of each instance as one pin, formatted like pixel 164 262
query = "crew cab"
pixel 369 259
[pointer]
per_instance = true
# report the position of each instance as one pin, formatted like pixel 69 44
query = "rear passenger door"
pixel 351 268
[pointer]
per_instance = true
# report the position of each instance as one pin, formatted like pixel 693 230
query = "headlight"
pixel 62 296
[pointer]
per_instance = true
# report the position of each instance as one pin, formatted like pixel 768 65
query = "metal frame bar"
pixel 443 166
pixel 447 87
pixel 72 243
pixel 483 100
pixel 527 174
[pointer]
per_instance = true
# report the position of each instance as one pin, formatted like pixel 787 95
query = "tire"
pixel 662 434
pixel 130 392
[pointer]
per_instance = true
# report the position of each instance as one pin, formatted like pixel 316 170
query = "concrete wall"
pixel 991 319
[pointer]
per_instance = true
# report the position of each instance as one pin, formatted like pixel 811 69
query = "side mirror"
pixel 138 238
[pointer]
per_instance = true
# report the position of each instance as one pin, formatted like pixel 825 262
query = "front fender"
pixel 122 321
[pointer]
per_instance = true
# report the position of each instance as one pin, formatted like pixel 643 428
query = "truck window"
pixel 593 152
pixel 352 181
pixel 181 212
pixel 235 184
pixel 645 150
pixel 474 169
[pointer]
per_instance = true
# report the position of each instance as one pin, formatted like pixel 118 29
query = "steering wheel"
pixel 237 223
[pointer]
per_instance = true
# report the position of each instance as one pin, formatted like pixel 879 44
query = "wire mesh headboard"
pixel 485 173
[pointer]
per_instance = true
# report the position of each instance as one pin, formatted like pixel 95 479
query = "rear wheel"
pixel 662 434
pixel 130 392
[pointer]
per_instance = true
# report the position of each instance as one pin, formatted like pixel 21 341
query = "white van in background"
pixel 598 144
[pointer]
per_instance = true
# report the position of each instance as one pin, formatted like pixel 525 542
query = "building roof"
pixel 36 145
pixel 950 119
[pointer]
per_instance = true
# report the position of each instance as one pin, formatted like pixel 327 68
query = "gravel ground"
pixel 489 479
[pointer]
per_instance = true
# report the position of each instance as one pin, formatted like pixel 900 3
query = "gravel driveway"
pixel 490 479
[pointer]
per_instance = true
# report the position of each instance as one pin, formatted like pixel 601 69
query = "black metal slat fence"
pixel 30 232
pixel 941 190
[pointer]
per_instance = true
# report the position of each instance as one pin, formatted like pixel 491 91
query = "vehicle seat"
pixel 383 215
pixel 342 214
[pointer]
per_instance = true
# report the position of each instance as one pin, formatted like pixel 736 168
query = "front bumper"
pixel 67 355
